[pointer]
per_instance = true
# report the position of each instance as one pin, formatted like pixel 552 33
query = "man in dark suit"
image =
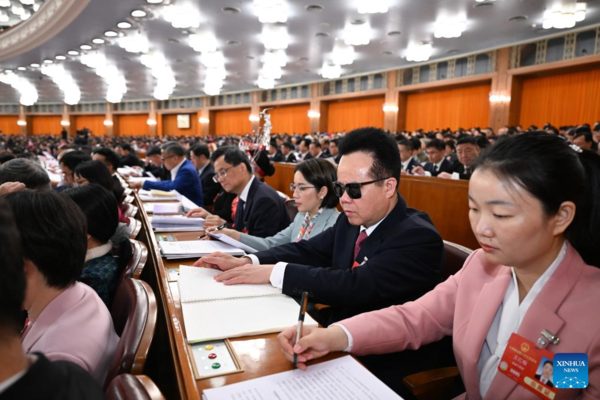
pixel 316 151
pixel 184 177
pixel 288 152
pixel 406 150
pixel 275 154
pixel 112 162
pixel 467 152
pixel 437 162
pixel 154 164
pixel 200 157
pixel 128 156
pixel 334 150
pixel 304 150
pixel 258 209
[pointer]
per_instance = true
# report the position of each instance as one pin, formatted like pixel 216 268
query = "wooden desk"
pixel 169 364
pixel 445 200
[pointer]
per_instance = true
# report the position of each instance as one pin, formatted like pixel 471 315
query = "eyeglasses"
pixel 221 174
pixel 301 189
pixel 353 189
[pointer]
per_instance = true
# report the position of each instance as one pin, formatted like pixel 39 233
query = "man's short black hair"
pixel 111 157
pixel 5 157
pixel 12 275
pixel 336 141
pixel 200 150
pixel 53 233
pixel 289 145
pixel 73 158
pixel 306 142
pixel 406 143
pixel 380 146
pixel 316 144
pixel 436 143
pixel 32 175
pixel 233 156
pixel 153 151
pixel 125 146
pixel 174 149
pixel 416 142
pixel 467 139
pixel 585 132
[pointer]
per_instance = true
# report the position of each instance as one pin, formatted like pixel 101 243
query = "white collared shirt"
pixel 507 320
pixel 202 169
pixel 175 170
pixel 405 164
pixel 244 195
pixel 99 251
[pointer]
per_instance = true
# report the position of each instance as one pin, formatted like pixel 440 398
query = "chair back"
pixel 456 255
pixel 138 260
pixel 292 210
pixel 133 387
pixel 136 227
pixel 134 317
pixel 284 196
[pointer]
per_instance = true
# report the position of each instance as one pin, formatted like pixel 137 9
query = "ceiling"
pixel 238 34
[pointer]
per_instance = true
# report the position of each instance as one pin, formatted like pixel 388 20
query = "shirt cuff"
pixel 253 258
pixel 277 274
pixel 455 175
pixel 349 335
pixel 427 173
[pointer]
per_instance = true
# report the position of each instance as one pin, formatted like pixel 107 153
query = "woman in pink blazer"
pixel 534 210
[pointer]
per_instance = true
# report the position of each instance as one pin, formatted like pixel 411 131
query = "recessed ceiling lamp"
pixel 275 37
pixel 373 6
pixel 270 11
pixel 154 1
pixel 22 68
pixel 565 16
pixel 449 28
pixel 276 57
pixel 343 54
pixel 5 3
pixel 27 2
pixel 4 16
pixel 331 70
pixel 394 33
pixel 124 25
pixel 357 33
pixel 73 53
pixel 48 61
pixel 230 10
pixel 111 34
pixel 60 57
pixel 85 47
pixel 419 52
pixel 203 42
pixel 34 65
pixel 98 41
pixel 314 8
pixel 182 15
pixel 138 13
pixel 17 9
pixel 265 83
pixel 134 43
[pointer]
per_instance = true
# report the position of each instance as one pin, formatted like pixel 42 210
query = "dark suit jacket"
pixel 264 212
pixel 460 169
pixel 291 158
pixel 131 160
pixel 445 167
pixel 278 157
pixel 210 188
pixel 186 183
pixel 549 383
pixel 405 259
pixel 223 204
pixel 411 164
pixel 159 172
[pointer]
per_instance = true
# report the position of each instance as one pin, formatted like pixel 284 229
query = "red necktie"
pixel 361 238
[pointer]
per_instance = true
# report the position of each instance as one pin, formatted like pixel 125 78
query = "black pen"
pixel 303 303
pixel 218 228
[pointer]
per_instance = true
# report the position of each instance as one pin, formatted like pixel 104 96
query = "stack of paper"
pixel 176 223
pixel 157 195
pixel 212 310
pixel 196 249
pixel 163 208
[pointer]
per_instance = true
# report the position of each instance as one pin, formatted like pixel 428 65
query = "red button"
pixel 212 356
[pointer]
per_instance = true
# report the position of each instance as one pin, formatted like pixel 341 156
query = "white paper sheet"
pixel 235 243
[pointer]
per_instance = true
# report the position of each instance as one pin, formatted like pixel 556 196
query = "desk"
pixel 445 200
pixel 169 364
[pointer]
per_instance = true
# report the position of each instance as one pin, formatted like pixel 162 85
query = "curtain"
pixel 346 115
pixel 95 123
pixel 232 122
pixel 564 99
pixel 8 125
pixel 46 125
pixel 454 108
pixel 290 119
pixel 131 124
pixel 169 126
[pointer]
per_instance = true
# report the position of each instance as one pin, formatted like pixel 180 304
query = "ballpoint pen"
pixel 218 228
pixel 303 303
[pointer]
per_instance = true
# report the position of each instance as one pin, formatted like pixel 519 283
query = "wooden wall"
pixel 169 125
pixel 563 99
pixel 95 123
pixel 449 108
pixel 45 125
pixel 131 125
pixel 8 125
pixel 228 122
pixel 290 119
pixel 345 115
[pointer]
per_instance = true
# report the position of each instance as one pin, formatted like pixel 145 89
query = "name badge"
pixel 529 366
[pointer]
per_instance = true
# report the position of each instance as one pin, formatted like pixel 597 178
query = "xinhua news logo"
pixel 570 370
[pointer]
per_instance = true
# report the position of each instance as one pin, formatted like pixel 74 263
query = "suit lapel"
pixel 250 200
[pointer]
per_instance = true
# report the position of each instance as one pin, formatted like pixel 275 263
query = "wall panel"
pixel 290 119
pixel 95 123
pixel 169 125
pixel 131 124
pixel 46 125
pixel 346 115
pixel 231 122
pixel 8 125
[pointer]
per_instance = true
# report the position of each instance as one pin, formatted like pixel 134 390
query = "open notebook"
pixel 212 310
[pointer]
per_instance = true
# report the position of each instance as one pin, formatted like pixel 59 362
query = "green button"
pixel 216 366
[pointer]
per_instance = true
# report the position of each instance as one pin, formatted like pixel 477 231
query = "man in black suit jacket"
pixel 408 161
pixel 467 151
pixel 200 157
pixel 303 147
pixel 128 156
pixel 288 152
pixel 437 162
pixel 259 210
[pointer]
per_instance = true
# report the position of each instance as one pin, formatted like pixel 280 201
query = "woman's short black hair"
pixel 553 172
pixel 232 156
pixel 72 159
pixel 100 209
pixel 12 275
pixel 320 173
pixel 380 146
pixel 53 233
pixel 96 172
pixel 111 157
pixel 32 175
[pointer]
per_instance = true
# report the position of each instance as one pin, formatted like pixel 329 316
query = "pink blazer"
pixel 76 326
pixel 464 306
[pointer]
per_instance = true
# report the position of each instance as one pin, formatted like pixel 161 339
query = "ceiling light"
pixel 138 13
pixel 98 41
pixel 135 43
pixel 230 10
pixel 5 3
pixel 60 57
pixel 499 98
pixel 276 57
pixel 25 16
pixel 204 120
pixel 182 15
pixel 27 2
pixel 17 9
pixel 111 34
pixel 203 42
pixel 48 61
pixel 390 108
pixel 343 54
pixel 357 33
pixel 373 6
pixel 4 16
pixel 331 71
pixel 314 8
pixel 212 59
pixel 271 71
pixel 108 122
pixel 275 37
pixel 124 25
pixel 449 28
pixel 85 47
pixel 419 52
pixel 73 53
pixel 270 11
pixel 313 114
pixel 565 16
pixel 154 1
pixel 22 68
pixel 265 83
pixel 151 122
pixel 65 123
pixel 253 118
pixel 21 123
pixel 34 65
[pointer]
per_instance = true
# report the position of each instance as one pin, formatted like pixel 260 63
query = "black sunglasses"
pixel 353 189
